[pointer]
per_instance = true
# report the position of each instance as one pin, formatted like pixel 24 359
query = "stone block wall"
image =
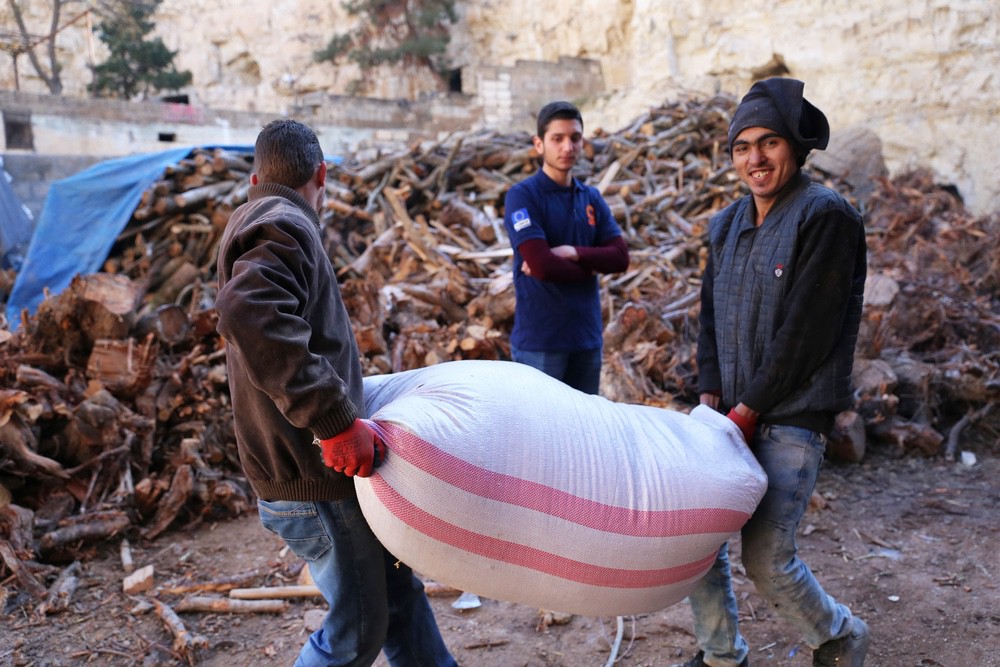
pixel 511 96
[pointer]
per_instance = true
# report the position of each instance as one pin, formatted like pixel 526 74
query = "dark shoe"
pixel 697 661
pixel 847 651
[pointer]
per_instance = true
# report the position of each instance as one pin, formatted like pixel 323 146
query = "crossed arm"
pixel 568 263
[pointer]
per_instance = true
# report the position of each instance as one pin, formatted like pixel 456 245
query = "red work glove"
pixel 747 424
pixel 355 451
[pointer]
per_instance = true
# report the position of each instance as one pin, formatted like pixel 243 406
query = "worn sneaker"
pixel 847 651
pixel 697 661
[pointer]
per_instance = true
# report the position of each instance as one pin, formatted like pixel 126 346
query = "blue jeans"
pixel 791 457
pixel 376 603
pixel 580 370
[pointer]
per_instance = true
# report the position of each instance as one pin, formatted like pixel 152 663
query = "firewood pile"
pixel 115 412
pixel 928 366
pixel 441 260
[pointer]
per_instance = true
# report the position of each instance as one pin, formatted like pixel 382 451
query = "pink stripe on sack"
pixel 554 502
pixel 531 558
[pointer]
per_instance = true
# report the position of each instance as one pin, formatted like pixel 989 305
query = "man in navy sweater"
pixel 563 236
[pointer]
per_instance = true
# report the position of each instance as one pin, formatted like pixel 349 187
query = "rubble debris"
pixel 139 581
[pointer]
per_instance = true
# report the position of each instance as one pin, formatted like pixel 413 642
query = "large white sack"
pixel 504 482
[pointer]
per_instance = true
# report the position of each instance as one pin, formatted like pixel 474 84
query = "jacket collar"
pixel 795 185
pixel 262 190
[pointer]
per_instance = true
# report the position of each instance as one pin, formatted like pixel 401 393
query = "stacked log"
pixel 436 218
pixel 169 247
pixel 929 366
pixel 114 411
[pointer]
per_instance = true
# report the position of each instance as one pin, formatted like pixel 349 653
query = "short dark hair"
pixel 286 152
pixel 556 111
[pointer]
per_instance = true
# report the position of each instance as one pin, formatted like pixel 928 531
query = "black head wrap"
pixel 778 105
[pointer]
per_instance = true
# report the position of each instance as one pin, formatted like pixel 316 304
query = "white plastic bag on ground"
pixel 504 482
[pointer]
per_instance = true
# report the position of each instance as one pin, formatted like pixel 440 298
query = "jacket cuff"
pixel 756 399
pixel 334 422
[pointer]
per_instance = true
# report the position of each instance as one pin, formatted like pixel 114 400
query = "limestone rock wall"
pixel 924 76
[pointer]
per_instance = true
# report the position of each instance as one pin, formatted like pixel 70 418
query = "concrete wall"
pixel 32 174
pixel 68 125
pixel 361 121
pixel 50 137
pixel 501 98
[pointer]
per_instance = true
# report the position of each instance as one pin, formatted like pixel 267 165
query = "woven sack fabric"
pixel 504 482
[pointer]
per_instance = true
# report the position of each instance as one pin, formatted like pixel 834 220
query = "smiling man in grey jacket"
pixel 780 310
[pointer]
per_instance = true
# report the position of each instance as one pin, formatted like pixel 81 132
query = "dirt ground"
pixel 910 544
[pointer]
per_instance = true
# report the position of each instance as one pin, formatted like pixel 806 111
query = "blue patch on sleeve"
pixel 520 219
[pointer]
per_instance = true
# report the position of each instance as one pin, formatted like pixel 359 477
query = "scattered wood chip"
pixel 139 581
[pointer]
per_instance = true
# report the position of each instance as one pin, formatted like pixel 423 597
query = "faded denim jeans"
pixel 791 457
pixel 580 370
pixel 376 603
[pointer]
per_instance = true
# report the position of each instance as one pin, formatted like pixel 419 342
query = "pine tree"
pixel 411 33
pixel 136 65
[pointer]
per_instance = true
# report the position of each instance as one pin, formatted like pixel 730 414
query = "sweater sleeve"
pixel 608 257
pixel 547 266
pixel 817 306
pixel 709 377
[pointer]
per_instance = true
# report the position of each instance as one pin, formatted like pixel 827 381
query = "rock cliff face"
pixel 924 76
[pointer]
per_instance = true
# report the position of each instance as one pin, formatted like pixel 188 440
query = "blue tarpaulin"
pixel 80 220
pixel 15 224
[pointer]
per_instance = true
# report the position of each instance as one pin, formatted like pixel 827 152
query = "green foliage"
pixel 136 65
pixel 390 33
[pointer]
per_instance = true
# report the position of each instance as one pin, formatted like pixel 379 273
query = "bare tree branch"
pixel 51 77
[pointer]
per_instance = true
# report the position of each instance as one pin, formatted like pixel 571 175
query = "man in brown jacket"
pixel 295 382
